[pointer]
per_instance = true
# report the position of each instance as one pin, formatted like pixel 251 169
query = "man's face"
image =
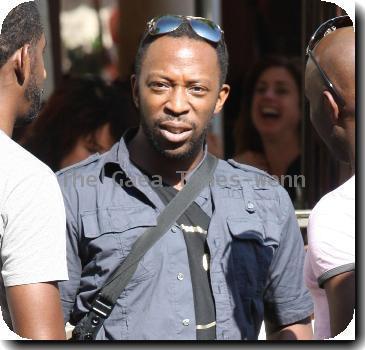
pixel 177 92
pixel 34 91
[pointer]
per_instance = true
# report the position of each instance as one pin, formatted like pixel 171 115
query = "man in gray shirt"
pixel 232 260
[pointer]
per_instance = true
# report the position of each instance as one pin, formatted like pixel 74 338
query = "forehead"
pixel 276 75
pixel 181 53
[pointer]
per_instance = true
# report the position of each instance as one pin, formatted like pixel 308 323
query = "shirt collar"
pixel 119 154
pixel 119 157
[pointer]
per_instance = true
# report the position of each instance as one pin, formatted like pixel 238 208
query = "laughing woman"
pixel 268 130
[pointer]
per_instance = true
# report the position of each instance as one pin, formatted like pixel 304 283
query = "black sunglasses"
pixel 203 27
pixel 323 30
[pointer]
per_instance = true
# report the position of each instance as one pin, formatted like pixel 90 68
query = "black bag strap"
pixel 106 299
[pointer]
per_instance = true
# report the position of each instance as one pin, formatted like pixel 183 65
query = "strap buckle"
pixel 101 307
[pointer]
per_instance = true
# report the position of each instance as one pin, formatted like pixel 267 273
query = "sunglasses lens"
pixel 166 24
pixel 206 29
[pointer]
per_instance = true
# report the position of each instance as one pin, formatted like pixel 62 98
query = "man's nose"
pixel 44 74
pixel 178 103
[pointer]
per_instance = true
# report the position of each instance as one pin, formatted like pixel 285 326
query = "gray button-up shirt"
pixel 256 249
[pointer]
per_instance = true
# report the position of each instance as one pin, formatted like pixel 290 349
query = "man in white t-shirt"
pixel 32 215
pixel 330 262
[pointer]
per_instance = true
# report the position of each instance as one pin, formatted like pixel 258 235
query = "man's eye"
pixel 199 90
pixel 158 86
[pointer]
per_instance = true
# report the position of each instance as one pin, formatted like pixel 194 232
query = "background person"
pixel 32 215
pixel 268 131
pixel 330 261
pixel 83 116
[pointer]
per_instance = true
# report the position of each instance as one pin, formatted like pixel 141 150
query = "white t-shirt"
pixel 331 249
pixel 32 221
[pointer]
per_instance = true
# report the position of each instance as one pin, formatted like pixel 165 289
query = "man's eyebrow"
pixel 203 82
pixel 157 75
pixel 163 76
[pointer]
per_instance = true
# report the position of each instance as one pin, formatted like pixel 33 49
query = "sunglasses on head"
pixel 203 27
pixel 323 30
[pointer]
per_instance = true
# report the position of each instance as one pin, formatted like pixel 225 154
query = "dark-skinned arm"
pixel 340 291
pixel 36 311
pixel 301 330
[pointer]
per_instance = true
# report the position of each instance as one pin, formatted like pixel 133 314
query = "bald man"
pixel 330 261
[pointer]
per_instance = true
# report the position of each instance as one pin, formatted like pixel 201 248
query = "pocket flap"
pixel 116 220
pixel 125 218
pixel 266 233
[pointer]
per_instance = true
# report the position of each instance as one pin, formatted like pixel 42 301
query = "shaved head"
pixel 335 54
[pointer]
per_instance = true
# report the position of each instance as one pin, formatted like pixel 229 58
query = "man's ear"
pixel 222 98
pixel 331 107
pixel 135 92
pixel 21 63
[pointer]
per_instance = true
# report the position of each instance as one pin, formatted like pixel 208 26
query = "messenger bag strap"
pixel 106 299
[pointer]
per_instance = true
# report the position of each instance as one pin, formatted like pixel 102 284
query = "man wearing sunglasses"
pixel 330 262
pixel 232 259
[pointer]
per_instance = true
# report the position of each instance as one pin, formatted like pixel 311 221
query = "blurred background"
pixel 97 40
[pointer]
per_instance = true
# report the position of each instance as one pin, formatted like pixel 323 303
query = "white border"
pixel 348 5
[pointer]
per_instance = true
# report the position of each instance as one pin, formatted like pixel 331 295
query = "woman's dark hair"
pixel 246 135
pixel 78 108
pixel 21 26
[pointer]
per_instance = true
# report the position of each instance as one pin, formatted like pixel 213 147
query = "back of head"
pixel 335 54
pixel 330 89
pixel 184 31
pixel 21 26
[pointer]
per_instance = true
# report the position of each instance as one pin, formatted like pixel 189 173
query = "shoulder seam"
pixel 249 168
pixel 93 158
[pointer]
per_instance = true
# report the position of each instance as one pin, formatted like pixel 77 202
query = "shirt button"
pixel 174 229
pixel 250 207
pixel 186 322
pixel 180 276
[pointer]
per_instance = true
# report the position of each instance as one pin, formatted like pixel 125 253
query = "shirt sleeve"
pixel 286 298
pixel 68 289
pixel 331 240
pixel 33 245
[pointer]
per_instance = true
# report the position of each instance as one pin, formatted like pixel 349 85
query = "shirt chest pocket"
pixel 252 247
pixel 109 235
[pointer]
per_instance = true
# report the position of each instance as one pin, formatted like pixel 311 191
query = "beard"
pixel 186 151
pixel 33 95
